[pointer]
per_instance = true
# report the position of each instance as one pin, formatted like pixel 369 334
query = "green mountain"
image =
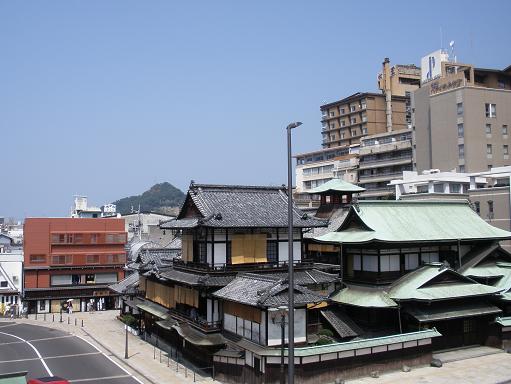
pixel 161 198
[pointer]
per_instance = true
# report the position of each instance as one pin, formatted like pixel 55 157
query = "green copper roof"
pixel 362 296
pixel 337 185
pixel 340 347
pixel 410 221
pixel 504 321
pixel 418 285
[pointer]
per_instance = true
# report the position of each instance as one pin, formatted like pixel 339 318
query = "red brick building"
pixel 72 258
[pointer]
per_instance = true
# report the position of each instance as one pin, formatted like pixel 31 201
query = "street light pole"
pixel 290 238
pixel 126 342
pixel 282 341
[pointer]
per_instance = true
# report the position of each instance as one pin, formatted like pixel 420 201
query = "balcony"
pixel 386 147
pixel 399 160
pixel 197 322
pixel 225 267
pixel 380 177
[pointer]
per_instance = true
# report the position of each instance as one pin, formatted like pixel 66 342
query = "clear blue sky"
pixel 106 98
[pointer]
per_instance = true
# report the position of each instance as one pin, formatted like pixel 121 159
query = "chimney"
pixel 387 91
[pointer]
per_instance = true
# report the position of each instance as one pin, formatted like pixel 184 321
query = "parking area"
pixel 45 351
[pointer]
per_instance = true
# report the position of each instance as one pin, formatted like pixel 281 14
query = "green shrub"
pixel 326 332
pixel 129 320
pixel 323 340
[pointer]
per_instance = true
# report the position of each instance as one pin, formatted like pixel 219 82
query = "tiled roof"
pixel 228 206
pixel 341 323
pixel 334 223
pixel 129 282
pixel 189 278
pixel 265 291
pixel 305 277
pixel 336 185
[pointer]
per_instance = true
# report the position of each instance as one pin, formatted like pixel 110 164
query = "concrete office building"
pixel 461 116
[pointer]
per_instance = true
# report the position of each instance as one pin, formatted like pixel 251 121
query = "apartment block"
pixel 384 157
pixel 461 117
pixel 72 259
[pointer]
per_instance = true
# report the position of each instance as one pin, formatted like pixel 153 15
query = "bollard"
pixel 53 318
pixel 168 360
pixel 194 376
pixel 82 322
pixel 36 315
pixel 154 352
pixel 68 319
pixel 75 321
pixel 160 356
pixel 186 372
pixel 44 317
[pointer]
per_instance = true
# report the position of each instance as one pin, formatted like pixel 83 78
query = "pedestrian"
pixel 70 308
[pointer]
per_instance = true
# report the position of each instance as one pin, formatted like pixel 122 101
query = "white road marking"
pixel 100 378
pixel 35 350
pixel 109 358
pixel 36 340
pixel 51 357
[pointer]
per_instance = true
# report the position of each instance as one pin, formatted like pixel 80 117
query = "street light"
pixel 291 304
pixel 275 313
pixel 126 342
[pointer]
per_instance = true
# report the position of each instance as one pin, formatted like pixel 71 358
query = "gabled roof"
pixel 436 282
pixel 265 291
pixel 129 282
pixel 411 221
pixel 235 206
pixel 363 296
pixel 336 185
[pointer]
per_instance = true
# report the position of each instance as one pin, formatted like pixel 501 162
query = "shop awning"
pixel 154 309
pixel 456 312
pixel 166 324
pixel 198 338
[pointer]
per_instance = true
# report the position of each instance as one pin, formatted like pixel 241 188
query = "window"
pixel 343 123
pixel 61 280
pixel 461 151
pixel 488 129
pixel 357 263
pixel 115 238
pixel 331 113
pixel 438 188
pixel 90 279
pixel 3 284
pixel 62 259
pixel 504 130
pixel 491 110
pixel 429 257
pixel 353 132
pixel 461 168
pixel 353 108
pixel 389 263
pixel 477 207
pixel 505 150
pixel 461 131
pixel 501 83
pixel 459 109
pixel 112 259
pixel 353 120
pixel 411 261
pixel 42 305
pixel 341 111
pixel 271 251
pixel 489 149
pixel 370 263
pixel 455 188
pixel 92 259
pixel 364 130
pixel 37 259
pixel 94 238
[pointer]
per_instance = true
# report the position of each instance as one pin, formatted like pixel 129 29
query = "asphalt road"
pixel 49 352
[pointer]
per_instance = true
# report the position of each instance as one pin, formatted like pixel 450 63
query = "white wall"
pixel 274 329
pixel 284 254
pixel 220 250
